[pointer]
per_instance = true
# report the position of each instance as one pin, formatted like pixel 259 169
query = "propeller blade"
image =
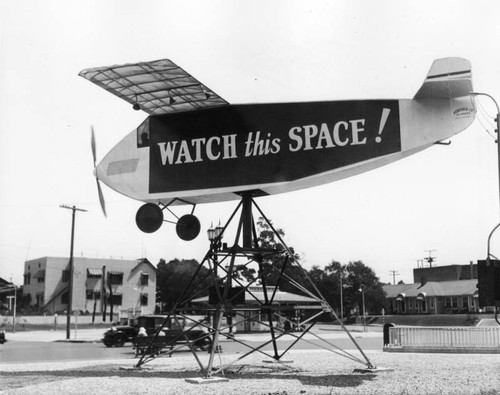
pixel 92 144
pixel 99 190
pixel 101 198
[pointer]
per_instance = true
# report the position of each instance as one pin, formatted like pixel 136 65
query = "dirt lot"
pixel 318 372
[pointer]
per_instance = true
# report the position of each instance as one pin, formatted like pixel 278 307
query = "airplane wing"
pixel 157 87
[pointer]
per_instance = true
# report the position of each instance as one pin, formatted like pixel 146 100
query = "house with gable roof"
pixel 250 315
pixel 433 297
pixel 436 290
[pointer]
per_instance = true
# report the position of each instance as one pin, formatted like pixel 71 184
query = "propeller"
pixel 99 190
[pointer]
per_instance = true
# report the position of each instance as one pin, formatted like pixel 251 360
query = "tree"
pixel 173 277
pixel 351 277
pixel 358 274
pixel 327 282
pixel 273 264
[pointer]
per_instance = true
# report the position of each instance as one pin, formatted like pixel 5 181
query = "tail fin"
pixel 448 78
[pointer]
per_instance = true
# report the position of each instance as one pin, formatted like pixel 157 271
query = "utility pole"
pixel 430 258
pixel 70 285
pixel 497 141
pixel 362 290
pixel 341 298
pixel 394 273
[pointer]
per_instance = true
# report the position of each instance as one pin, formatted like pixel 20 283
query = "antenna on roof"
pixel 430 258
pixel 393 273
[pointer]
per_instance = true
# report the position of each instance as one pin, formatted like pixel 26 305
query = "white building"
pixel 130 285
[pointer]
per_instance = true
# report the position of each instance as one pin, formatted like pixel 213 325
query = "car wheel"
pixel 108 343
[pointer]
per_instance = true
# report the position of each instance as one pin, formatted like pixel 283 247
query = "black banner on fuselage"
pixel 256 144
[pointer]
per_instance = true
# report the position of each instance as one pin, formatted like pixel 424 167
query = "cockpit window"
pixel 143 134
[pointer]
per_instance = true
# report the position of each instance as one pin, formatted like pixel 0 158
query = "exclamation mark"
pixel 383 120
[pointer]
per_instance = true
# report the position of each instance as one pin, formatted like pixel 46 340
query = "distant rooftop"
pixel 433 288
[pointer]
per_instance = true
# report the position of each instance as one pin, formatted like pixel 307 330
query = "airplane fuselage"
pixel 216 153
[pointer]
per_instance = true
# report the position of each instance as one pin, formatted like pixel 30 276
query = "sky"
pixel 444 199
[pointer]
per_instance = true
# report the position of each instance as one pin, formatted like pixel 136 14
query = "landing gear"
pixel 149 219
pixel 188 227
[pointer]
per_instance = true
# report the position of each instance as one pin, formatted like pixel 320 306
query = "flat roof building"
pixel 445 273
pixel 129 285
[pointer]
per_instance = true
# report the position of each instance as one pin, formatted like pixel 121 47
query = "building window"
pixel 40 276
pixel 64 298
pixel 39 299
pixel 410 303
pixel 94 273
pixel 65 276
pixel 116 299
pixel 465 302
pixel 144 299
pixel 432 303
pixel 115 278
pixel 27 279
pixel 91 294
pixel 144 279
pixel 450 302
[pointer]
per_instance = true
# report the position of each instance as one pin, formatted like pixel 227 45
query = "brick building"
pixel 445 273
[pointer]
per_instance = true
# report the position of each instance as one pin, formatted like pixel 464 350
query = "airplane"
pixel 195 147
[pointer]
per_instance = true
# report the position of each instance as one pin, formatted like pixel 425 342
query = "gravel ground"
pixel 312 372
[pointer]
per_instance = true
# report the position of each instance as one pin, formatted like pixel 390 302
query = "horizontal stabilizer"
pixel 448 78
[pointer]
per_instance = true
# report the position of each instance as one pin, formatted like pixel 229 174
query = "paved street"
pixel 45 346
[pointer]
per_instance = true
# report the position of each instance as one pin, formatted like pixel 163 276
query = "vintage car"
pixel 173 328
pixel 119 335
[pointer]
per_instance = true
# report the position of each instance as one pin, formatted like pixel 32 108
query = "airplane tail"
pixel 448 78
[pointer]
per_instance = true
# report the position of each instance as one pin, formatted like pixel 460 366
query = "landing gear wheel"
pixel 188 227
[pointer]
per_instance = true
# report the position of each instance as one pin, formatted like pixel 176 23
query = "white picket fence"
pixel 444 338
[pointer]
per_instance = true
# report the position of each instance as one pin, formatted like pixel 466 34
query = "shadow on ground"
pixel 12 380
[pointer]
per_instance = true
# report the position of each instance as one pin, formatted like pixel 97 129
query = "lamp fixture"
pixel 207 94
pixel 211 232
pixel 214 233
pixel 136 106
pixel 218 230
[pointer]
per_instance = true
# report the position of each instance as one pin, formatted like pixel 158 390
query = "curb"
pixel 76 341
